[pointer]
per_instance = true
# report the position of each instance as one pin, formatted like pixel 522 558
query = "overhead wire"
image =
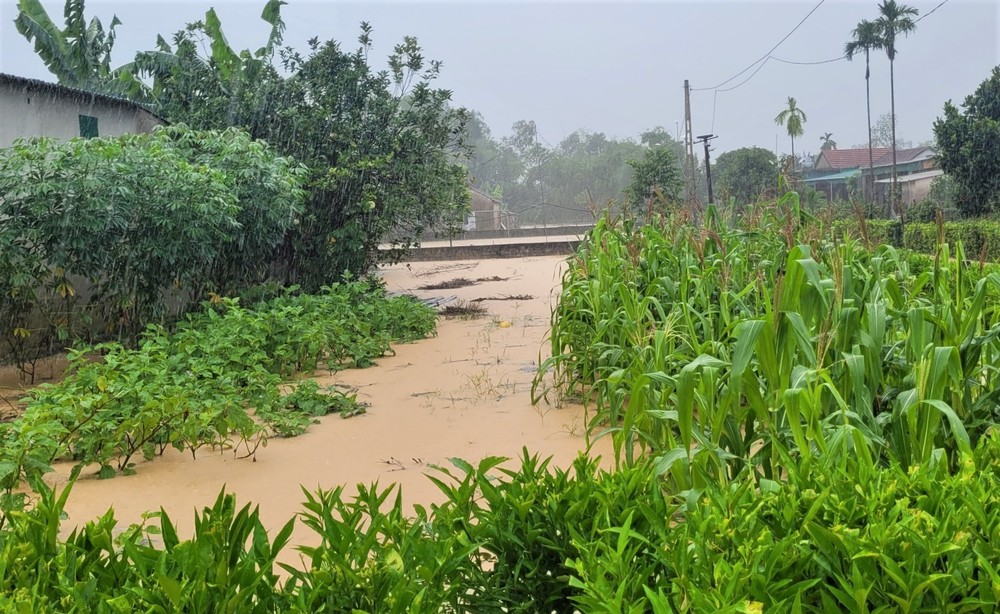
pixel 930 12
pixel 761 62
pixel 763 59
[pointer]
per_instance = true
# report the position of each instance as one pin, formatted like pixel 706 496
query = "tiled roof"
pixel 840 159
pixel 902 156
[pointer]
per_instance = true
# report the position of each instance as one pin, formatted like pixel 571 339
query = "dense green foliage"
pixel 118 232
pixel 969 147
pixel 379 145
pixel 731 350
pixel 544 539
pixel 980 238
pixel 656 181
pixel 747 175
pixel 585 173
pixel 192 386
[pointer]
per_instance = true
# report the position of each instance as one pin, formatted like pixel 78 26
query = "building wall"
pixel 26 112
pixel 916 191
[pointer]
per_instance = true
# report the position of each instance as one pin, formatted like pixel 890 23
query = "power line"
pixel 764 57
pixel 930 12
pixel 843 57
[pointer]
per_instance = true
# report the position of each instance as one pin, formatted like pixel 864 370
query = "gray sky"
pixel 618 67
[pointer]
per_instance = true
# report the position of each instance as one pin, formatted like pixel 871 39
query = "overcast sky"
pixel 619 68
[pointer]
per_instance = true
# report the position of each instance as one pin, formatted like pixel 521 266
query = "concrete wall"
pixel 550 231
pixel 27 111
pixel 492 252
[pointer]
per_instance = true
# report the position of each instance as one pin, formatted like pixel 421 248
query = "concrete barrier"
pixel 513 233
pixel 492 252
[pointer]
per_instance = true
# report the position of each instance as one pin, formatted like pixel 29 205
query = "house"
pixel 488 213
pixel 916 168
pixel 29 107
pixel 913 187
pixel 836 169
pixel 836 160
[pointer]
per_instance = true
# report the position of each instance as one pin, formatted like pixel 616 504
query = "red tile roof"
pixel 902 156
pixel 841 159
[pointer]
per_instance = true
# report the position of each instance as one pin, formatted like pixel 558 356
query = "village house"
pixel 29 107
pixel 916 170
pixel 835 169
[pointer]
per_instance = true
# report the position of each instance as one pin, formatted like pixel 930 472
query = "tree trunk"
pixel 892 103
pixel 870 196
pixel 793 156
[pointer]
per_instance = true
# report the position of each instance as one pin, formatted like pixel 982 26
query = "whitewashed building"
pixel 29 107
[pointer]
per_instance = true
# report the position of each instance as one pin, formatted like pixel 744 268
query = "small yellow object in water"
pixel 505 324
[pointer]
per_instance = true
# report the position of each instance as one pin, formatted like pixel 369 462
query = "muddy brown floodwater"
pixel 463 393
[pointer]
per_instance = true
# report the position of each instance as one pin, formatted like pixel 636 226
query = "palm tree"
pixel 894 19
pixel 828 142
pixel 792 118
pixel 867 38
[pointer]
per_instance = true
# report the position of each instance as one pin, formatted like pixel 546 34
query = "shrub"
pixel 192 386
pixel 109 234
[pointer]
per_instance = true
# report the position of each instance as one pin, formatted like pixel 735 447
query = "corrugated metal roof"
pixel 841 176
pixel 915 176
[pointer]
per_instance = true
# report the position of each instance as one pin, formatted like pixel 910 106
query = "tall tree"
pixel 827 141
pixel 894 19
pixel 657 179
pixel 867 38
pixel 793 119
pixel 968 142
pixel 79 55
pixel 746 174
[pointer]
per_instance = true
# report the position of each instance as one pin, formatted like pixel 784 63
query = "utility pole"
pixel 688 146
pixel 705 138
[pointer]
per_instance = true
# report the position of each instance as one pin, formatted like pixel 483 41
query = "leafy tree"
pixel 827 141
pixel 746 174
pixel 867 38
pixel 657 179
pixel 493 167
pixel 79 55
pixel 894 19
pixel 882 133
pixel 381 146
pixel 793 119
pixel 969 147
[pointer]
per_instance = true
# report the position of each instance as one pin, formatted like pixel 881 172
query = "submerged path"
pixel 464 393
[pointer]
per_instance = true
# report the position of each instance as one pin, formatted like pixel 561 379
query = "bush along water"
pixel 538 538
pixel 212 381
